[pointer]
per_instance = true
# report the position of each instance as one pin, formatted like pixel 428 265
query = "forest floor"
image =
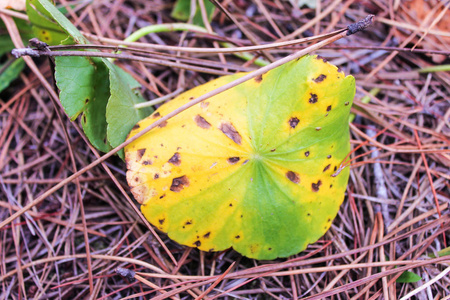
pixel 389 239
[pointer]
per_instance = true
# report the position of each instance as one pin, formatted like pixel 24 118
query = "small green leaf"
pixel 10 73
pixel 94 118
pixel 84 88
pixel 6 45
pixel 94 87
pixel 443 252
pixel 408 277
pixel 50 25
pixel 182 10
pixel 74 79
pixel 105 96
pixel 121 115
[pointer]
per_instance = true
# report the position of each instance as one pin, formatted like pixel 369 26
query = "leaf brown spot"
pixel 160 197
pixel 346 103
pixel 320 78
pixel 231 132
pixel 328 156
pixel 140 153
pixel 331 186
pixel 86 101
pixel 163 124
pixel 313 99
pixel 315 186
pixel 206 235
pixel 233 160
pixel 258 79
pixel 307 153
pixel 175 159
pixel 156 176
pixel 318 128
pixel 197 243
pixel 292 176
pixel 161 221
pixel 270 249
pixel 191 98
pixel 326 168
pixel 188 222
pixel 321 58
pixel 179 183
pixel 293 122
pixel 137 126
pixel 335 168
pixel 156 115
pixel 329 108
pixel 147 162
pixel 237 237
pixel 201 122
pixel 273 150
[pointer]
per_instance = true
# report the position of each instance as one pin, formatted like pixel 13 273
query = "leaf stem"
pixel 441 68
pixel 168 27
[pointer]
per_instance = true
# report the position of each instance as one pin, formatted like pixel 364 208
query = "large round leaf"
pixel 250 168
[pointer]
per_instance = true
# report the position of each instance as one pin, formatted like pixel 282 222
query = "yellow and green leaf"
pixel 250 168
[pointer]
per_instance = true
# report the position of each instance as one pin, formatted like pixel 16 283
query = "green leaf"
pixel 94 119
pixel 443 252
pixel 252 168
pixel 6 45
pixel 74 77
pixel 51 26
pixel 182 10
pixel 121 115
pixel 102 93
pixel 408 277
pixel 84 88
pixel 10 73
